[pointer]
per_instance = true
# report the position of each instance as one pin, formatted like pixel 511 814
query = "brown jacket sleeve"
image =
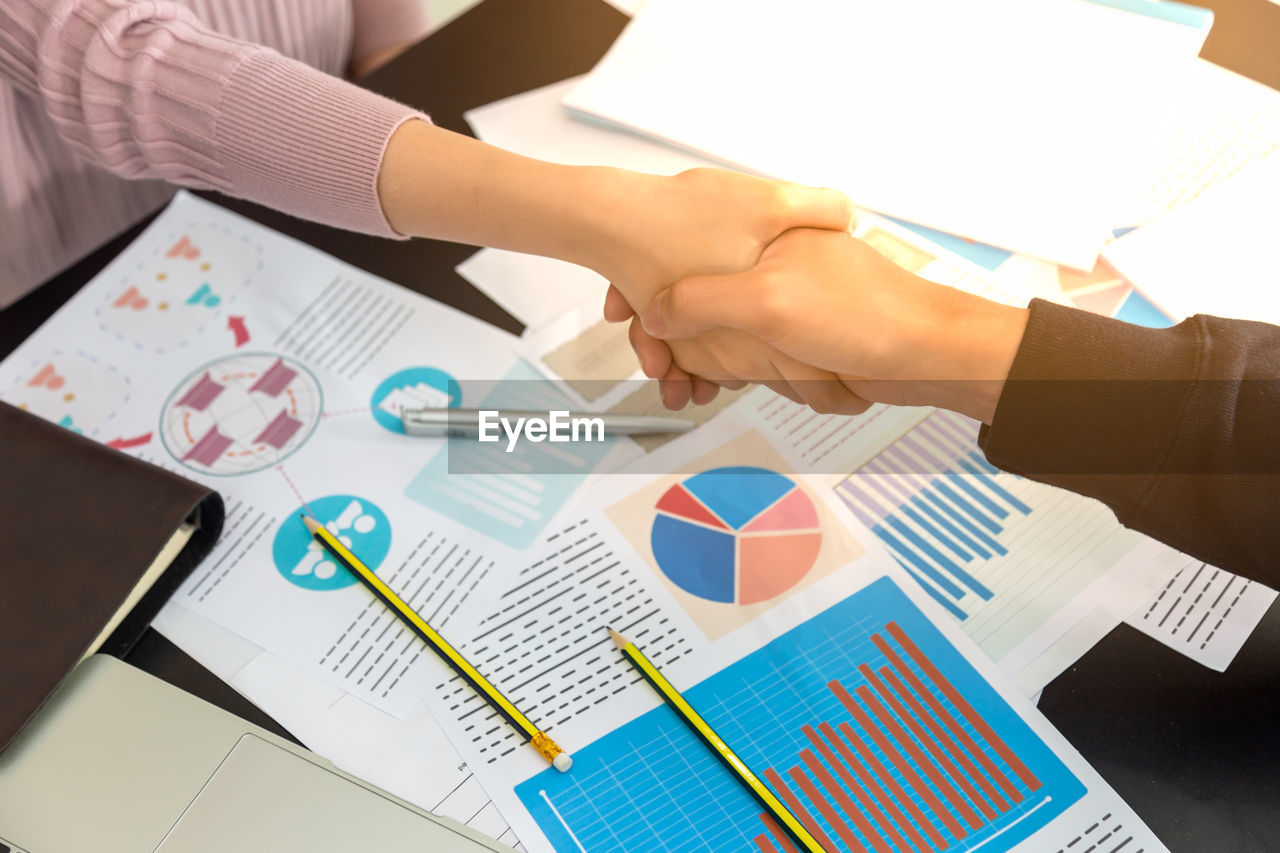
pixel 1177 430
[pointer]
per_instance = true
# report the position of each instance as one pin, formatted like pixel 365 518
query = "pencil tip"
pixel 618 640
pixel 311 524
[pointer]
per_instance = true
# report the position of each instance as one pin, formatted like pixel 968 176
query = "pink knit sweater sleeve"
pixel 143 89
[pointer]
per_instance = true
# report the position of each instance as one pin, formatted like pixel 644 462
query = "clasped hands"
pixel 766 284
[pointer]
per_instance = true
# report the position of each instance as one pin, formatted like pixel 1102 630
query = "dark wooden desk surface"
pixel 1196 753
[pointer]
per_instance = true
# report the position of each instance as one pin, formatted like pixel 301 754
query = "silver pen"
pixel 467 422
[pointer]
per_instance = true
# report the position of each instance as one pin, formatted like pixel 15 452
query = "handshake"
pixel 728 280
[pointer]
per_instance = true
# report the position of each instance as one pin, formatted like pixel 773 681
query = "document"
pixel 1205 613
pixel 1225 122
pixel 1213 255
pixel 799 639
pixel 978 119
pixel 273 373
pixel 1035 575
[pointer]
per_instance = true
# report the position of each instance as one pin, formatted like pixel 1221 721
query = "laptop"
pixel 119 760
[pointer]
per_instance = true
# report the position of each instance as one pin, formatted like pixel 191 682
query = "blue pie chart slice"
pixel 704 557
pixel 738 494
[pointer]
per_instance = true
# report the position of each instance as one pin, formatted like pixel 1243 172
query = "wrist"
pixel 971 343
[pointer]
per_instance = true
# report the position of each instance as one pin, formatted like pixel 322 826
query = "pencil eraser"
pixel 562 762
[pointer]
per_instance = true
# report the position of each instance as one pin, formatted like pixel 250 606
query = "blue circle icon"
pixel 414 387
pixel 357 523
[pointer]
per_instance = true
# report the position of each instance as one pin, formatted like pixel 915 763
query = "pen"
pixel 691 718
pixel 466 422
pixel 545 746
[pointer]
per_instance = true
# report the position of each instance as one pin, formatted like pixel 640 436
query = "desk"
pixel 1194 752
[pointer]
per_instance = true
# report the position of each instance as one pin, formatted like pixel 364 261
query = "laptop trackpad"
pixel 263 797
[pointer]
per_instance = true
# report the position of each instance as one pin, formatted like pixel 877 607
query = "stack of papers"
pixel 1021 125
pixel 1214 255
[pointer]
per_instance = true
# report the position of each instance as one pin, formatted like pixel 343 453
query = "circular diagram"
pixel 241 414
pixel 738 535
pixel 356 522
pixel 413 388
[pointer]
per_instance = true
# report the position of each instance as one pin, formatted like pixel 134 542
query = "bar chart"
pixel 999 552
pixel 865 721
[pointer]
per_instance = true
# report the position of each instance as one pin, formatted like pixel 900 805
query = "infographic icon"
pixel 357 523
pixel 414 387
pixel 73 389
pixel 736 534
pixel 190 283
pixel 241 414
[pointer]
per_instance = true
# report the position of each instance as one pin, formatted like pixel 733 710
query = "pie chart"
pixel 738 535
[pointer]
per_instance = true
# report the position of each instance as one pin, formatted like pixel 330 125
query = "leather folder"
pixel 92 543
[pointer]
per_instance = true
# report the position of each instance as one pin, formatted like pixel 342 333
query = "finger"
pixel 616 307
pixel 699 303
pixel 769 377
pixel 675 389
pixel 654 355
pixel 782 388
pixel 818 389
pixel 704 391
pixel 819 207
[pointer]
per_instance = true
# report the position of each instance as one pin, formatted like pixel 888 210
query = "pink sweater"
pixel 230 95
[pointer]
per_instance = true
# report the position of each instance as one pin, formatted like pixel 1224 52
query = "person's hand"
pixel 708 221
pixel 730 358
pixel 830 302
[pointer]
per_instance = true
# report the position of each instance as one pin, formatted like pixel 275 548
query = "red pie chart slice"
pixel 793 512
pixel 770 565
pixel 679 502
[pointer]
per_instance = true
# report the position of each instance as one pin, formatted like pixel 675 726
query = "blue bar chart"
pixel 1001 553
pixel 865 721
pixel 938 506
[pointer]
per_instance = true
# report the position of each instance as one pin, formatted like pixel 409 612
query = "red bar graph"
pixel 917 767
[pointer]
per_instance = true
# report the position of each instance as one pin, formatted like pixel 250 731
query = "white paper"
pixel 1214 255
pixel 1205 613
pixel 913 108
pixel 1225 121
pixel 507 277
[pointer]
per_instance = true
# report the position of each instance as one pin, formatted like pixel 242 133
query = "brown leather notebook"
pixel 92 542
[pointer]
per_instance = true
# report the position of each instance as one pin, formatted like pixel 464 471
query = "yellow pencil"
pixel 545 746
pixel 727 756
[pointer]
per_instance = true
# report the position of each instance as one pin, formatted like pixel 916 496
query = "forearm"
pixel 640 231
pixel 439 184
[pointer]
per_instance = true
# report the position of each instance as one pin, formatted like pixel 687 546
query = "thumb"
pixel 616 308
pixel 820 207
pixel 699 303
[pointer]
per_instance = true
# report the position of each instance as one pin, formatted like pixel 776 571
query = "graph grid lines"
pixel 864 721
